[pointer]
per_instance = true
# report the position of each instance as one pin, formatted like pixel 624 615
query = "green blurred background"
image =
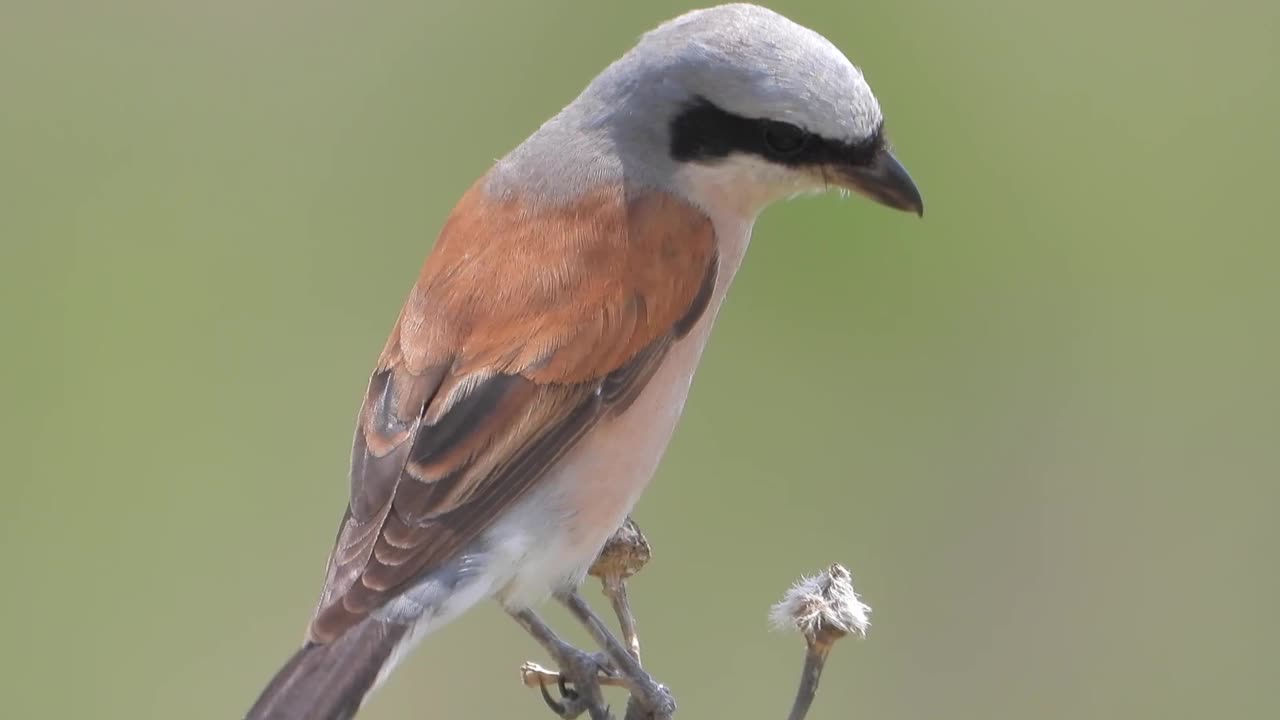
pixel 1040 426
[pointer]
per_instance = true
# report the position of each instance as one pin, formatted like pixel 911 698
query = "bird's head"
pixel 747 103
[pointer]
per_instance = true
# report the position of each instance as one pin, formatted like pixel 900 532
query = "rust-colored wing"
pixel 524 328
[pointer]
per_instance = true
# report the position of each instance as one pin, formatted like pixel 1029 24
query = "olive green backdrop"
pixel 1040 425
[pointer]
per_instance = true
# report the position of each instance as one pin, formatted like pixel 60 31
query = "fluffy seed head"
pixel 823 606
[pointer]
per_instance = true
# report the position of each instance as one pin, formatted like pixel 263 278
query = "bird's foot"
pixel 580 677
pixel 650 699
pixel 578 684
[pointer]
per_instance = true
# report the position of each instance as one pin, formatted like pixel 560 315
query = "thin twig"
pixel 814 660
pixel 624 555
pixel 824 608
pixel 535 676
pixel 616 590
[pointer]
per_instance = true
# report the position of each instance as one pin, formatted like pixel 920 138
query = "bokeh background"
pixel 1040 426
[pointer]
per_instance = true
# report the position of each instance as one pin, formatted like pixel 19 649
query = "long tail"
pixel 329 682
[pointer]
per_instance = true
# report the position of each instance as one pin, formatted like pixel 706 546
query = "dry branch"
pixel 823 608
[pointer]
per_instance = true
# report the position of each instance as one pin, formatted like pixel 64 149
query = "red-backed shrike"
pixel 542 359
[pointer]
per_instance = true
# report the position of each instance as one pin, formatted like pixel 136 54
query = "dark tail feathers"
pixel 328 682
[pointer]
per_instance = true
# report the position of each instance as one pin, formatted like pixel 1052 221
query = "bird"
pixel 543 357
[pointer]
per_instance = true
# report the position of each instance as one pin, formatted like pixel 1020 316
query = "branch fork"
pixel 823 608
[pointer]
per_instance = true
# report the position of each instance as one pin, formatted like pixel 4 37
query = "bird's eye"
pixel 784 139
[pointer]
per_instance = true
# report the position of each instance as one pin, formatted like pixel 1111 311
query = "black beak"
pixel 885 181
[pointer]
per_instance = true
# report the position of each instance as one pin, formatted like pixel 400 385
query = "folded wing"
pixel 526 326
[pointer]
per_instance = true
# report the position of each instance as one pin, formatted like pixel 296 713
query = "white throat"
pixel 733 193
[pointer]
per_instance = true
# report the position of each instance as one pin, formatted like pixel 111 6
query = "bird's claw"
pixel 578 683
pixel 569 708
